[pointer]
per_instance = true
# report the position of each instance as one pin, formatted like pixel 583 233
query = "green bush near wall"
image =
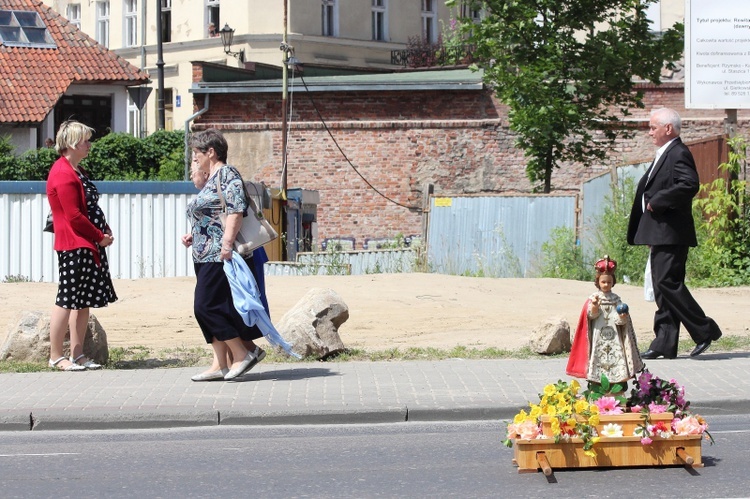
pixel 116 156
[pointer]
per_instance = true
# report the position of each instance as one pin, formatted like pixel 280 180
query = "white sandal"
pixel 72 367
pixel 89 364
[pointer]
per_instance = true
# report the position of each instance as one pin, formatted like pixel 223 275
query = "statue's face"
pixel 606 282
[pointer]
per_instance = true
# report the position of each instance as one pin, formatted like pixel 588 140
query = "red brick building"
pixel 400 132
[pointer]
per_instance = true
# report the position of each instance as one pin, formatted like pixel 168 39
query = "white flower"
pixel 612 430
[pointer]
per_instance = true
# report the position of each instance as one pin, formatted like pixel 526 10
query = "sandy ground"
pixel 385 310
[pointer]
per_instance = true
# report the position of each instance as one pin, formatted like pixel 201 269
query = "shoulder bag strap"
pixel 218 190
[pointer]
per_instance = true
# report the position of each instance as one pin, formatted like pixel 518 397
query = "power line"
pixel 325 125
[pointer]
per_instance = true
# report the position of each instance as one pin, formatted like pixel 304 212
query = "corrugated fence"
pixel 497 236
pixel 147 218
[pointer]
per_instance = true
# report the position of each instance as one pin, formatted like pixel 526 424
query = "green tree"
pixel 566 69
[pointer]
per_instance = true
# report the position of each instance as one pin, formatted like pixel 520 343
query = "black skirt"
pixel 83 283
pixel 213 307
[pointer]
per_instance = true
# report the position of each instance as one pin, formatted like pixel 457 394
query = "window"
pixel 429 20
pixel 168 109
pixel 134 122
pixel 330 18
pixel 212 13
pixel 24 29
pixel 653 14
pixel 166 21
pixel 102 23
pixel 74 14
pixel 380 20
pixel 131 23
pixel 468 11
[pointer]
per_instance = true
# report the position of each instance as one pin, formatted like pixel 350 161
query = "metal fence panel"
pixel 597 193
pixel 497 236
pixel 147 218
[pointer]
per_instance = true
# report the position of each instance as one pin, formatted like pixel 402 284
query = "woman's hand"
pixel 107 240
pixel 187 240
pixel 226 252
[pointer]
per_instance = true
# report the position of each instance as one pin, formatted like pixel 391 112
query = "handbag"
pixel 48 227
pixel 255 230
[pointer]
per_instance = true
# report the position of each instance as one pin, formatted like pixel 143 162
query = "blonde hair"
pixel 70 134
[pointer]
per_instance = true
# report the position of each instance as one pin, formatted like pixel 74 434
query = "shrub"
pixel 612 230
pixel 562 256
pixel 724 225
pixel 116 156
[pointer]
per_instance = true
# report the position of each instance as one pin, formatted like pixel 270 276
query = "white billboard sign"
pixel 717 54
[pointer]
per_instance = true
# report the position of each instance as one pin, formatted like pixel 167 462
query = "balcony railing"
pixel 433 55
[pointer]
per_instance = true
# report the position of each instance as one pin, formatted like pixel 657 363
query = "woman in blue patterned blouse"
pixel 212 243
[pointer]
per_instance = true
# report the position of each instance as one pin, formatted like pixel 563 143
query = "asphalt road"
pixel 464 459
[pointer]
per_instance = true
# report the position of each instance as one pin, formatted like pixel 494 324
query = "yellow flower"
pixel 549 390
pixel 594 420
pixel 594 409
pixel 555 426
pixel 545 401
pixel 551 411
pixel 520 417
pixel 590 453
pixel 574 387
pixel 561 399
pixel 595 440
pixel 536 411
pixel 581 406
pixel 571 422
pixel 564 409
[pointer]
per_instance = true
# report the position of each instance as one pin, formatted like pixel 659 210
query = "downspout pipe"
pixel 187 134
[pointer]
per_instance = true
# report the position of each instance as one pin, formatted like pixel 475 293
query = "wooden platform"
pixel 544 454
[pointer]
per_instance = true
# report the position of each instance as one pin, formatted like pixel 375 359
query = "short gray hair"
pixel 667 116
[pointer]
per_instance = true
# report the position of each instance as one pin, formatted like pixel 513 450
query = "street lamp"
pixel 227 35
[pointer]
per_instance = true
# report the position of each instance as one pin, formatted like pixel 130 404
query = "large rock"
pixel 312 325
pixel 552 337
pixel 28 339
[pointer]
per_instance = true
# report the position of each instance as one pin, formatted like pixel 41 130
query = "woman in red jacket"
pixel 81 234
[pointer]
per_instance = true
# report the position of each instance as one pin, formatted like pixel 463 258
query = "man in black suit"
pixel 662 218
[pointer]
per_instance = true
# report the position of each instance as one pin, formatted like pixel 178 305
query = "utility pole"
pixel 284 94
pixel 159 67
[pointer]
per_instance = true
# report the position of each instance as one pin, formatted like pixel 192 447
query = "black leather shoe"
pixel 650 354
pixel 700 348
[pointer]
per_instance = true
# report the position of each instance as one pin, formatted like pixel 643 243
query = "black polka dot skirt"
pixel 83 284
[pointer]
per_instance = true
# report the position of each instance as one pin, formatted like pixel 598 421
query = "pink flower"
pixel 527 430
pixel 608 405
pixel 657 408
pixel 688 426
pixel 646 441
pixel 636 408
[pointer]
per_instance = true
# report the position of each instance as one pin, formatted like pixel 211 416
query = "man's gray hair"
pixel 667 116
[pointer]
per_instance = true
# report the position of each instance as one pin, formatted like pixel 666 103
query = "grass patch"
pixel 141 357
pixel 723 344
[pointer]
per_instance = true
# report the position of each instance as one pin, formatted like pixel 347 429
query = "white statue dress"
pixel 613 350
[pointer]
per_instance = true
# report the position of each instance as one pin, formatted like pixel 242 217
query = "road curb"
pixel 346 416
pixel 127 419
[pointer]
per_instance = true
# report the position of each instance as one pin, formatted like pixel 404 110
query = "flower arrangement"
pixel 652 395
pixel 571 414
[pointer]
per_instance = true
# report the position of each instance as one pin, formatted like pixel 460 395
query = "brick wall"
pixel 400 142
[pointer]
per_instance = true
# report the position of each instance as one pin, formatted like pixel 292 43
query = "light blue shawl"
pixel 246 298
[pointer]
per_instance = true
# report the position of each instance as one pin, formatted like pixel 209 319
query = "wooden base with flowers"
pixel 544 454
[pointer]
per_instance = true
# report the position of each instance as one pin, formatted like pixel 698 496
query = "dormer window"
pixel 20 28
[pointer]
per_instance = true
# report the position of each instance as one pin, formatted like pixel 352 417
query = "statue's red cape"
pixel 579 352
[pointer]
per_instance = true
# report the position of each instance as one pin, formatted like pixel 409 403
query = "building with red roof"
pixel 51 71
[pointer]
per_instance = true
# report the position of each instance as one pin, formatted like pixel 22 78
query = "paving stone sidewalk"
pixel 313 393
